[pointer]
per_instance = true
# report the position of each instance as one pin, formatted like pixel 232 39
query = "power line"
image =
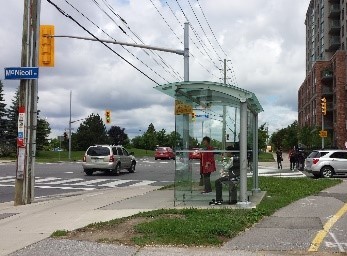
pixel 196 35
pixel 196 17
pixel 203 13
pixel 97 4
pixel 115 40
pixel 109 6
pixel 191 53
pixel 90 33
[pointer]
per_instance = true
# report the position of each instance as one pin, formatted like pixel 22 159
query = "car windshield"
pixel 98 151
pixel 162 149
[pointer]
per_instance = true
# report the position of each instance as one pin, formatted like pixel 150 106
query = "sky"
pixel 264 41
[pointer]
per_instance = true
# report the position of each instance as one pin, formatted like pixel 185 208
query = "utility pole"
pixel 70 127
pixel 224 109
pixel 25 175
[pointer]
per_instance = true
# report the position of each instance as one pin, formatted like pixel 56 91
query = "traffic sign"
pixel 22 73
pixel 323 134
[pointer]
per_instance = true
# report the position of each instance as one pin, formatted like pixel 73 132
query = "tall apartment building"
pixel 326 40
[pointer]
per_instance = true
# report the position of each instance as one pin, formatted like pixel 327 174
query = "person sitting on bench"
pixel 229 174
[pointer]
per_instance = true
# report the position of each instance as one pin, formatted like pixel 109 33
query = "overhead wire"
pixel 191 53
pixel 196 35
pixel 115 40
pixel 98 5
pixel 109 6
pixel 94 36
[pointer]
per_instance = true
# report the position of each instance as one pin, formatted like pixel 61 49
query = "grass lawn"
pixel 265 157
pixel 195 227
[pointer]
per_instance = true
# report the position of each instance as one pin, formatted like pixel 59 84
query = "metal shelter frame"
pixel 205 94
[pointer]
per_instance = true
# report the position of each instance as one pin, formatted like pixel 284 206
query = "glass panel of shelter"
pixel 202 122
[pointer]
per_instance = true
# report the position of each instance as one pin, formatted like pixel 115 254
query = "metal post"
pixel 224 107
pixel 322 130
pixel 186 79
pixel 70 128
pixel 255 154
pixel 243 152
pixel 235 125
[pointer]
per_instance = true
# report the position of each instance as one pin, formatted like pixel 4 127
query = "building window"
pixel 343 31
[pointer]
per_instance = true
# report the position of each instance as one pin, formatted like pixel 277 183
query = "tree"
pixel 262 136
pixel 42 133
pixel 150 138
pixel 91 132
pixel 3 118
pixel 118 136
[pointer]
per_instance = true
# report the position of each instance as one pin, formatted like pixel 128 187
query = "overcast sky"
pixel 264 39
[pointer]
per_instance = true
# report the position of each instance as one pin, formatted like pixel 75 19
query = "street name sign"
pixel 21 73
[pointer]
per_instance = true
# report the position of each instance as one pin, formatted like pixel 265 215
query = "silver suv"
pixel 109 159
pixel 327 163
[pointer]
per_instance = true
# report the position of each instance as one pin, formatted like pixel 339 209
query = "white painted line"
pixel 63 181
pixel 142 183
pixel 7 177
pixel 65 188
pixel 5 185
pixel 339 245
pixel 149 162
pixel 68 172
pixel 9 180
pixel 114 183
pixel 43 180
pixel 164 162
pixel 89 182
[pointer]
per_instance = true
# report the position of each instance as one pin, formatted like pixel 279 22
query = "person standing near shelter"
pixel 207 164
pixel 279 158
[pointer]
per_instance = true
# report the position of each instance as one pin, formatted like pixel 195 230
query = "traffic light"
pixel 193 116
pixel 108 116
pixel 46 46
pixel 65 136
pixel 324 105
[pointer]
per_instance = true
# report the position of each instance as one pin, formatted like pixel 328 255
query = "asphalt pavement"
pixel 66 178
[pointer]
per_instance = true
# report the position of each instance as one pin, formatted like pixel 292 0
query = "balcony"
pixel 334 11
pixel 326 91
pixel 334 27
pixel 334 43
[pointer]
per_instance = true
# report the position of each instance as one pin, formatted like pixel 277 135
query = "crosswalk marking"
pixel 142 183
pixel 90 182
pixel 63 181
pixel 39 180
pixel 66 188
pixel 115 183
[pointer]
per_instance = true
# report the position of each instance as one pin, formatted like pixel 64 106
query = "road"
pixel 59 178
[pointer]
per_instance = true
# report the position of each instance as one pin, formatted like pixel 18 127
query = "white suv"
pixel 327 163
pixel 109 159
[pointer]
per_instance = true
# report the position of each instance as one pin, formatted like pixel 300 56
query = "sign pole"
pixel 322 130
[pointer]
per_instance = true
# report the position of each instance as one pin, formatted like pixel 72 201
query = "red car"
pixel 195 154
pixel 164 153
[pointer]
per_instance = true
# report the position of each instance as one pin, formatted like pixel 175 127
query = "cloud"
pixel 264 39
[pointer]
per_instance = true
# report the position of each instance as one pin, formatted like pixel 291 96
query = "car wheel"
pixel 89 172
pixel 155 158
pixel 132 167
pixel 326 172
pixel 116 170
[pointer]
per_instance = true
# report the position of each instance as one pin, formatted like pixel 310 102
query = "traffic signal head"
pixel 324 105
pixel 46 46
pixel 108 116
pixel 65 136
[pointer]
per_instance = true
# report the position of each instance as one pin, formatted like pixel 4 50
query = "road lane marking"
pixel 114 184
pixel 90 182
pixel 339 245
pixel 317 241
pixel 142 183
pixel 63 181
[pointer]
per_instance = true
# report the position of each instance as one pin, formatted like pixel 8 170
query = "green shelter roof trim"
pixel 204 93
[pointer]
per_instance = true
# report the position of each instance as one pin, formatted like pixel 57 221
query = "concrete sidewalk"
pixel 289 231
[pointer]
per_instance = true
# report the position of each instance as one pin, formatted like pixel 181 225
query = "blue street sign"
pixel 20 135
pixel 206 116
pixel 22 73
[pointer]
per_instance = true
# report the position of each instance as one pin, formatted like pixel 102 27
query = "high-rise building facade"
pixel 326 25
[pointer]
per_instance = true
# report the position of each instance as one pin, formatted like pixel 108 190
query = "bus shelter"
pixel 228 115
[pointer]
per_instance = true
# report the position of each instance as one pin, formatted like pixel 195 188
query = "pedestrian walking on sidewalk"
pixel 292 159
pixel 279 157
